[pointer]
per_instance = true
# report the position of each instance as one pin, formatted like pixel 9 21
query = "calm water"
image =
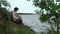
pixel 34 23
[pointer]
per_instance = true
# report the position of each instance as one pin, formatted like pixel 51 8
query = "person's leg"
pixel 20 22
pixel 15 22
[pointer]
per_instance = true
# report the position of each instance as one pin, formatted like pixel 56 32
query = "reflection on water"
pixel 34 23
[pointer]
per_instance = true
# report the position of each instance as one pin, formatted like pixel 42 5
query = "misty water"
pixel 34 23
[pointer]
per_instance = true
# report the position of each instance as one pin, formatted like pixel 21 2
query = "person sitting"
pixel 14 18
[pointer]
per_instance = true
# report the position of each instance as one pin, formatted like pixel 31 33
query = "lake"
pixel 34 23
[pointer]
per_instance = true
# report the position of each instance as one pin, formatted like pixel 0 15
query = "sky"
pixel 23 5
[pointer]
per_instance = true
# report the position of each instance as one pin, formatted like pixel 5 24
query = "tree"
pixel 49 12
pixel 5 20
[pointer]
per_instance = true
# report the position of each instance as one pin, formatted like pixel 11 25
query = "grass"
pixel 12 28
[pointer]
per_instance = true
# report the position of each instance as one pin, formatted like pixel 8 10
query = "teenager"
pixel 14 18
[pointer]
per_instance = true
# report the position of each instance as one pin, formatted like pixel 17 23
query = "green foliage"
pixel 18 30
pixel 51 10
pixel 5 3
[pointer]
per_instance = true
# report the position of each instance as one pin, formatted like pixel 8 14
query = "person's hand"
pixel 14 19
pixel 20 17
pixel 17 18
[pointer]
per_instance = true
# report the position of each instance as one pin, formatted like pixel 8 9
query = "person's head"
pixel 16 9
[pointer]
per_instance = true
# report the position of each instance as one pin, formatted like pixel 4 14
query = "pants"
pixel 19 21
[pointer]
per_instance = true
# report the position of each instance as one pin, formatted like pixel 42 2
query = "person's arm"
pixel 14 17
pixel 20 17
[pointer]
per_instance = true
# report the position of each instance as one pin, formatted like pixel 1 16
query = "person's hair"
pixel 16 8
